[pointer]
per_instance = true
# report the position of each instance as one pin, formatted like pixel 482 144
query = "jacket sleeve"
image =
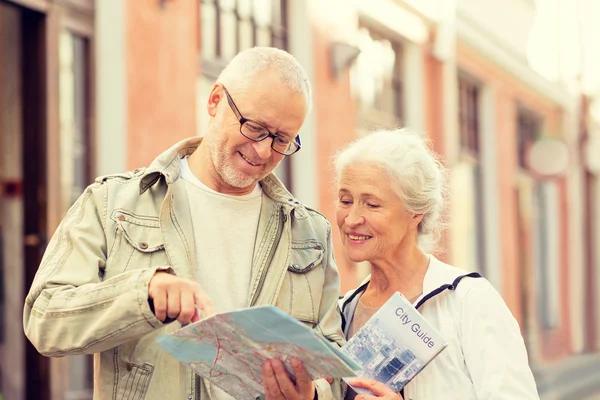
pixel 69 309
pixel 493 347
pixel 330 320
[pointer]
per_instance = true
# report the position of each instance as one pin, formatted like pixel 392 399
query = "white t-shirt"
pixel 224 234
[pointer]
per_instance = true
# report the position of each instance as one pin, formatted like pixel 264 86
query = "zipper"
pixel 263 276
pixel 196 386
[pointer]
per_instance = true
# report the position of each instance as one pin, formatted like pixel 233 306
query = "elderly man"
pixel 206 227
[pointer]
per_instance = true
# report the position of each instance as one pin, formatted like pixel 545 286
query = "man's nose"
pixel 263 148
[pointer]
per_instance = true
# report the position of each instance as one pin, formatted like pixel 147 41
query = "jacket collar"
pixel 168 165
pixel 439 277
pixel 438 274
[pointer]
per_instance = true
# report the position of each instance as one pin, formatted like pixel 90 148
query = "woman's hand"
pixel 380 390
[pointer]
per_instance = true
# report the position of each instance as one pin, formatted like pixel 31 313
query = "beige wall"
pixel 335 114
pixel 161 46
pixel 110 88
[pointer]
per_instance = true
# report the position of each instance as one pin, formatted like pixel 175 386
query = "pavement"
pixel 577 378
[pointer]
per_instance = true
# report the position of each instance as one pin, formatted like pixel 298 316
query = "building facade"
pixel 112 84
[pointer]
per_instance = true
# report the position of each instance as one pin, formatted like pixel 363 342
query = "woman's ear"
pixel 214 98
pixel 417 218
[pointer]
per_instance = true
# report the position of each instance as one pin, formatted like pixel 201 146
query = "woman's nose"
pixel 354 217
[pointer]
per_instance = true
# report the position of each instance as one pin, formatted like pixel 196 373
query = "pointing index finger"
pixel 204 303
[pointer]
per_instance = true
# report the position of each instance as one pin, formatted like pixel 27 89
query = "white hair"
pixel 247 63
pixel 413 169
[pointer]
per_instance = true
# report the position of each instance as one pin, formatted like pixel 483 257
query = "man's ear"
pixel 214 98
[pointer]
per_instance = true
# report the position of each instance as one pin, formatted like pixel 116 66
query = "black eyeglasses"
pixel 258 132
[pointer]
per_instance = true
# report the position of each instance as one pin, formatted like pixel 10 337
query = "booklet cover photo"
pixel 394 344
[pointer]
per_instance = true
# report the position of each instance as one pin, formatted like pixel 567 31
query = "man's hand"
pixel 380 390
pixel 278 384
pixel 178 298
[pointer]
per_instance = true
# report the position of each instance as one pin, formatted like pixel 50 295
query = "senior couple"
pixel 208 227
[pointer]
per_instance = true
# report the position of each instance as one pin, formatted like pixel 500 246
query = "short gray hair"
pixel 247 63
pixel 415 172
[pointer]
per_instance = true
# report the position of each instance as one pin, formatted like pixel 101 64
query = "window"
pixel 229 26
pixel 75 160
pixel 546 251
pixel 376 79
pixel 545 223
pixel 74 96
pixel 469 177
pixel 468 118
pixel 528 131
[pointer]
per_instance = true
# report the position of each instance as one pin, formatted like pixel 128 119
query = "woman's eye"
pixel 372 205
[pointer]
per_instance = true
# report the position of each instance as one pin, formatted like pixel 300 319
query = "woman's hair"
pixel 247 63
pixel 413 169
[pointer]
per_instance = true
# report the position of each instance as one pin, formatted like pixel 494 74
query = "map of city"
pixel 230 349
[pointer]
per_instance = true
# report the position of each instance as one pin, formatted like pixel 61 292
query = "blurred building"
pixel 89 88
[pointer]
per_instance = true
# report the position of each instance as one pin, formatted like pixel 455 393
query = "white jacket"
pixel 486 357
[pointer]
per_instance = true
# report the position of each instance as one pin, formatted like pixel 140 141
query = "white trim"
pixel 111 90
pixel 576 206
pixel 394 18
pixel 474 35
pixel 305 176
pixel 413 80
pixel 490 185
pixel 450 112
pixel 550 192
pixel 595 192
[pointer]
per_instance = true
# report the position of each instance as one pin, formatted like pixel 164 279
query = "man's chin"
pixel 242 182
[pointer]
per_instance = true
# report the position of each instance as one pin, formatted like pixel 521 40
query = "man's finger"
pixel 173 303
pixel 204 303
pixel 270 384
pixel 188 307
pixel 287 387
pixel 159 299
pixel 196 316
pixel 304 384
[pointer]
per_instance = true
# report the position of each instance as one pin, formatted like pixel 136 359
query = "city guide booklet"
pixel 394 345
pixel 229 349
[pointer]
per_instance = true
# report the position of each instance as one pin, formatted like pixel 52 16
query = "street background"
pixel 507 90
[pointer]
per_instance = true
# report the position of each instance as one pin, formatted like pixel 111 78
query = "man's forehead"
pixel 269 106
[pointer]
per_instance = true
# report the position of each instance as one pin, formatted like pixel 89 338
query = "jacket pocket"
pixel 305 257
pixel 303 286
pixel 138 243
pixel 134 382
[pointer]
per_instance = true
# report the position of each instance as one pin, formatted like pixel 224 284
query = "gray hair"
pixel 247 63
pixel 413 169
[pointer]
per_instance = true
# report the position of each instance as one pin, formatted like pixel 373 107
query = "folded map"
pixel 230 349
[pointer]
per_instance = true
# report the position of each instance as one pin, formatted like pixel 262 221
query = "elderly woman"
pixel 390 197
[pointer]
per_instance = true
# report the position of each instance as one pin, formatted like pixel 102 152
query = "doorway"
pixel 23 114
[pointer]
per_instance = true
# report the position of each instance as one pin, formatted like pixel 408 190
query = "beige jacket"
pixel 90 294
